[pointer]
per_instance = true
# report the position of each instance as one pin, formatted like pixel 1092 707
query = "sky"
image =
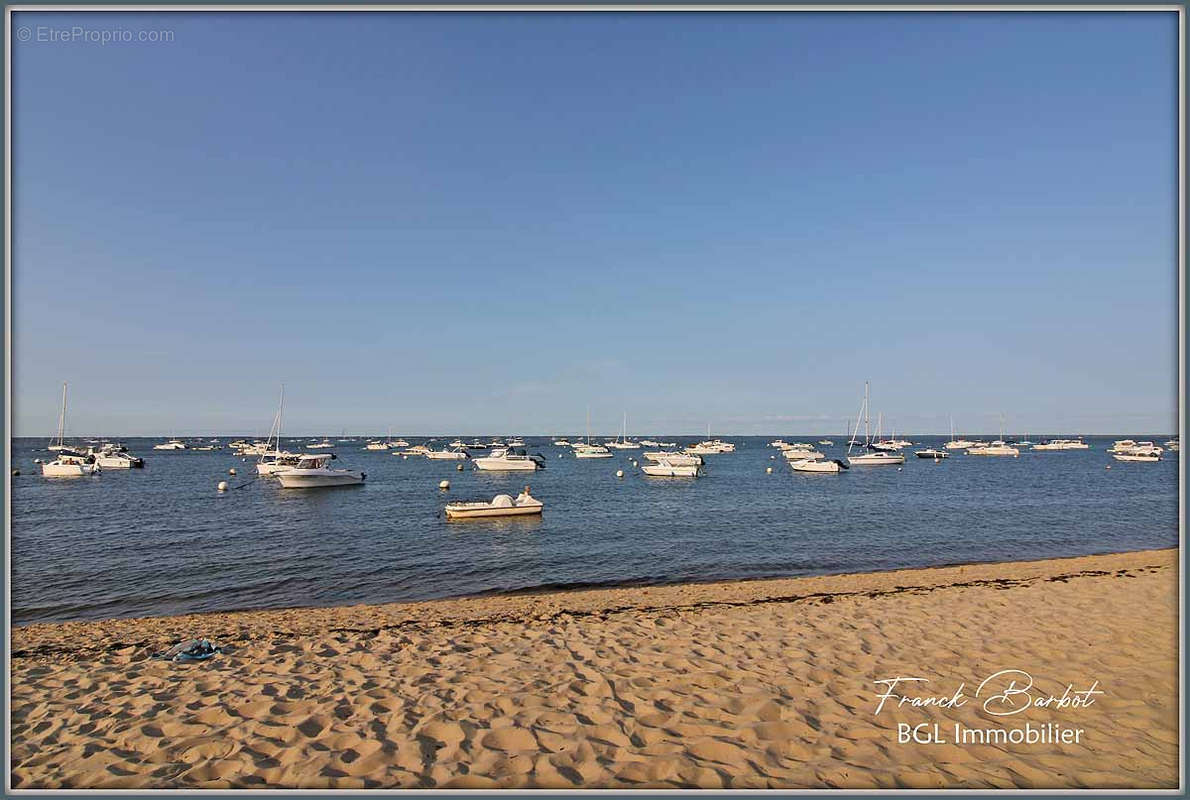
pixel 473 223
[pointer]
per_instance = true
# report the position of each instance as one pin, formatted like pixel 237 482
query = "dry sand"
pixel 747 684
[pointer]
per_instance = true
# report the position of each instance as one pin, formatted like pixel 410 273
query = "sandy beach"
pixel 745 685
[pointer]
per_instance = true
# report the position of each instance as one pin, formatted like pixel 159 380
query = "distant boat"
pixel 807 465
pixel 879 458
pixel 456 454
pixel 677 459
pixel 325 444
pixel 931 452
pixel 1061 444
pixel 172 444
pixel 622 442
pixel 1146 456
pixel 504 459
pixel 663 468
pixel 116 456
pixel 827 442
pixel 58 443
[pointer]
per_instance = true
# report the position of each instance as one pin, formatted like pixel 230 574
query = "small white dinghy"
pixel 312 472
pixel 664 468
pixel 500 506
pixel 812 465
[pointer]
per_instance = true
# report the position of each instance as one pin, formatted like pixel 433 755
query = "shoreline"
pixel 757 684
pixel 523 605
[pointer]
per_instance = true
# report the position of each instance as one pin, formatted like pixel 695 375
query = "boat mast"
pixel 867 418
pixel 62 417
pixel 588 424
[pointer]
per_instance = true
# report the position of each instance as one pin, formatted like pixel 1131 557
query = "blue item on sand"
pixel 191 650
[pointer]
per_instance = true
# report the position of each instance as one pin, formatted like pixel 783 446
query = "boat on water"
pixel 998 447
pixel 115 456
pixel 875 458
pixel 70 465
pixel 811 465
pixel 804 453
pixel 664 468
pixel 1146 456
pixel 956 444
pixel 312 472
pixel 648 443
pixel 622 442
pixel 58 443
pixel 172 444
pixel 932 452
pixel 675 458
pixel 780 444
pixel 455 454
pixel 508 459
pixel 325 444
pixel 711 447
pixel 416 450
pixel 592 451
pixel 376 445
pixel 561 443
pixel 516 441
pixel 826 442
pixel 501 505
pixel 1060 444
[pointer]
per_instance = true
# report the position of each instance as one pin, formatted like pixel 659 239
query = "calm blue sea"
pixel 162 541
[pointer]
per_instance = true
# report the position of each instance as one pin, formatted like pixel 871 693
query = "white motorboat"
pixel 826 442
pixel 172 444
pixel 70 465
pixel 457 443
pixel 325 444
pixel 116 456
pixel 1061 444
pixel 810 465
pixel 592 451
pixel 516 441
pixel 312 472
pixel 932 452
pixel 505 459
pixel 675 458
pixel 561 443
pixel 878 458
pixel 996 448
pixel 457 454
pixel 376 445
pixel 663 468
pixel 802 454
pixel 416 450
pixel 711 447
pixel 501 505
pixel 1121 446
pixel 648 443
pixel 399 443
pixel 1136 456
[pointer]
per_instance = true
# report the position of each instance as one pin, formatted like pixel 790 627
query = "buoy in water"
pixel 16 472
pixel 458 467
pixel 37 461
pixel 619 473
pixel 231 471
pixel 444 485
pixel 222 486
pixel 404 458
pixel 768 470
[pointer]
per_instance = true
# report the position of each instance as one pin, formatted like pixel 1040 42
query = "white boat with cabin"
pixel 506 459
pixel 675 458
pixel 70 465
pixel 312 472
pixel 664 468
pixel 172 444
pixel 876 458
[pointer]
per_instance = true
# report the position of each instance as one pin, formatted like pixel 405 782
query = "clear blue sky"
pixel 466 223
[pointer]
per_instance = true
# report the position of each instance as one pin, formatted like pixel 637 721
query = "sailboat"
pixel 275 460
pixel 956 444
pixel 622 442
pixel 996 448
pixel 59 442
pixel 589 450
pixel 877 458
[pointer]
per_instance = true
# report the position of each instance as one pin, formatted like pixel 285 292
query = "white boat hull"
pixel 876 460
pixel 803 455
pixel 436 455
pixel 670 470
pixel 317 478
pixel 808 465
pixel 52 470
pixel 993 451
pixel 461 511
pixel 501 465
pixel 592 454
